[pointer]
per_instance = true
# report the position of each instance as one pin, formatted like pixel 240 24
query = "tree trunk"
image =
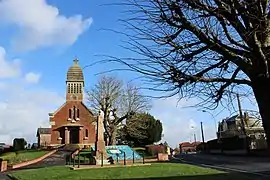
pixel 112 138
pixel 261 89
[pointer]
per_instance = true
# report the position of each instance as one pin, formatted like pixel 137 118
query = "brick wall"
pixel 86 119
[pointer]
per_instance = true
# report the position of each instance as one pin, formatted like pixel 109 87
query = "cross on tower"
pixel 75 60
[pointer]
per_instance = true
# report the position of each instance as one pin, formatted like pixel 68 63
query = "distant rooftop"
pixel 44 131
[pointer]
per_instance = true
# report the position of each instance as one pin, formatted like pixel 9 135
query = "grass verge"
pixel 22 156
pixel 164 171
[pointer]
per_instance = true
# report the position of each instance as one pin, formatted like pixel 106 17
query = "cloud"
pixel 178 121
pixel 23 110
pixel 23 107
pixel 8 68
pixel 40 24
pixel 32 77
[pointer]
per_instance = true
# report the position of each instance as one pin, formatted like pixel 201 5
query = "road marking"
pixel 222 168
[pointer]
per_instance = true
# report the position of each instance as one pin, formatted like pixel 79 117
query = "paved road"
pixel 57 159
pixel 257 166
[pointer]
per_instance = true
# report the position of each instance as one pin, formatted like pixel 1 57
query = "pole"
pixel 242 123
pixel 195 140
pixel 143 157
pixel 241 115
pixel 79 160
pixel 124 158
pixel 202 132
pixel 213 117
pixel 133 157
pixel 101 159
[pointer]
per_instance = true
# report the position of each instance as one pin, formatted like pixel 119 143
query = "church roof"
pixel 75 72
pixel 63 105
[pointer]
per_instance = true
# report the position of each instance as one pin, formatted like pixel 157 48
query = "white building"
pixel 232 126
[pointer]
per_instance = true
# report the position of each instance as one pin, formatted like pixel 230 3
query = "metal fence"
pixel 84 158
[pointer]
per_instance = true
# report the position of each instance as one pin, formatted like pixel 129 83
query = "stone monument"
pixel 100 144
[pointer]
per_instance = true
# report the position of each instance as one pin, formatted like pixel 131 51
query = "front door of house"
pixel 74 135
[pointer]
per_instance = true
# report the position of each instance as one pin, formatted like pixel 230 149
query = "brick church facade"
pixel 73 122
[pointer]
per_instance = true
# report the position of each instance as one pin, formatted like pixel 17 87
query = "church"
pixel 73 122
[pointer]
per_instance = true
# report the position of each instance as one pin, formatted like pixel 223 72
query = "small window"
pixel 69 113
pixel 80 88
pixel 78 113
pixel 86 132
pixel 71 88
pixel 68 88
pixel 75 88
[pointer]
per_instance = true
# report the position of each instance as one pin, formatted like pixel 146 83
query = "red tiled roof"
pixel 188 144
pixel 196 143
pixel 183 144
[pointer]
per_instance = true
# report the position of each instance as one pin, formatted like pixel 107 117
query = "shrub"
pixel 155 149
pixel 213 145
pixel 201 147
pixel 34 146
pixel 19 144
pixel 233 143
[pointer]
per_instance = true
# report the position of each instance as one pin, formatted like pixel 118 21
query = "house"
pixel 188 147
pixel 231 127
pixel 44 137
pixel 73 122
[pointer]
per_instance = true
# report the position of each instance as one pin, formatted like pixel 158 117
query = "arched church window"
pixel 72 88
pixel 86 132
pixel 78 113
pixel 69 113
pixel 74 112
pixel 77 88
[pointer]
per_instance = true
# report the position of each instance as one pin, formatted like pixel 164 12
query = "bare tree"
pixel 202 48
pixel 117 102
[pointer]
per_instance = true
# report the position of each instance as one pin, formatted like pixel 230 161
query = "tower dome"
pixel 75 73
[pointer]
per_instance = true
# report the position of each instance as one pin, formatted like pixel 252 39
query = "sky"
pixel 40 39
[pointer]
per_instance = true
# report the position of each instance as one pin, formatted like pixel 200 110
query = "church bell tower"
pixel 75 82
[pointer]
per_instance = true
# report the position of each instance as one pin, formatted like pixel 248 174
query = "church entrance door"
pixel 74 135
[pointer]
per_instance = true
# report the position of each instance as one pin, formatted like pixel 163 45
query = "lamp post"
pixel 213 117
pixel 202 132
pixel 194 133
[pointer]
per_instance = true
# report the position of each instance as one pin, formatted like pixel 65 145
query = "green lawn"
pixel 164 171
pixel 22 156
